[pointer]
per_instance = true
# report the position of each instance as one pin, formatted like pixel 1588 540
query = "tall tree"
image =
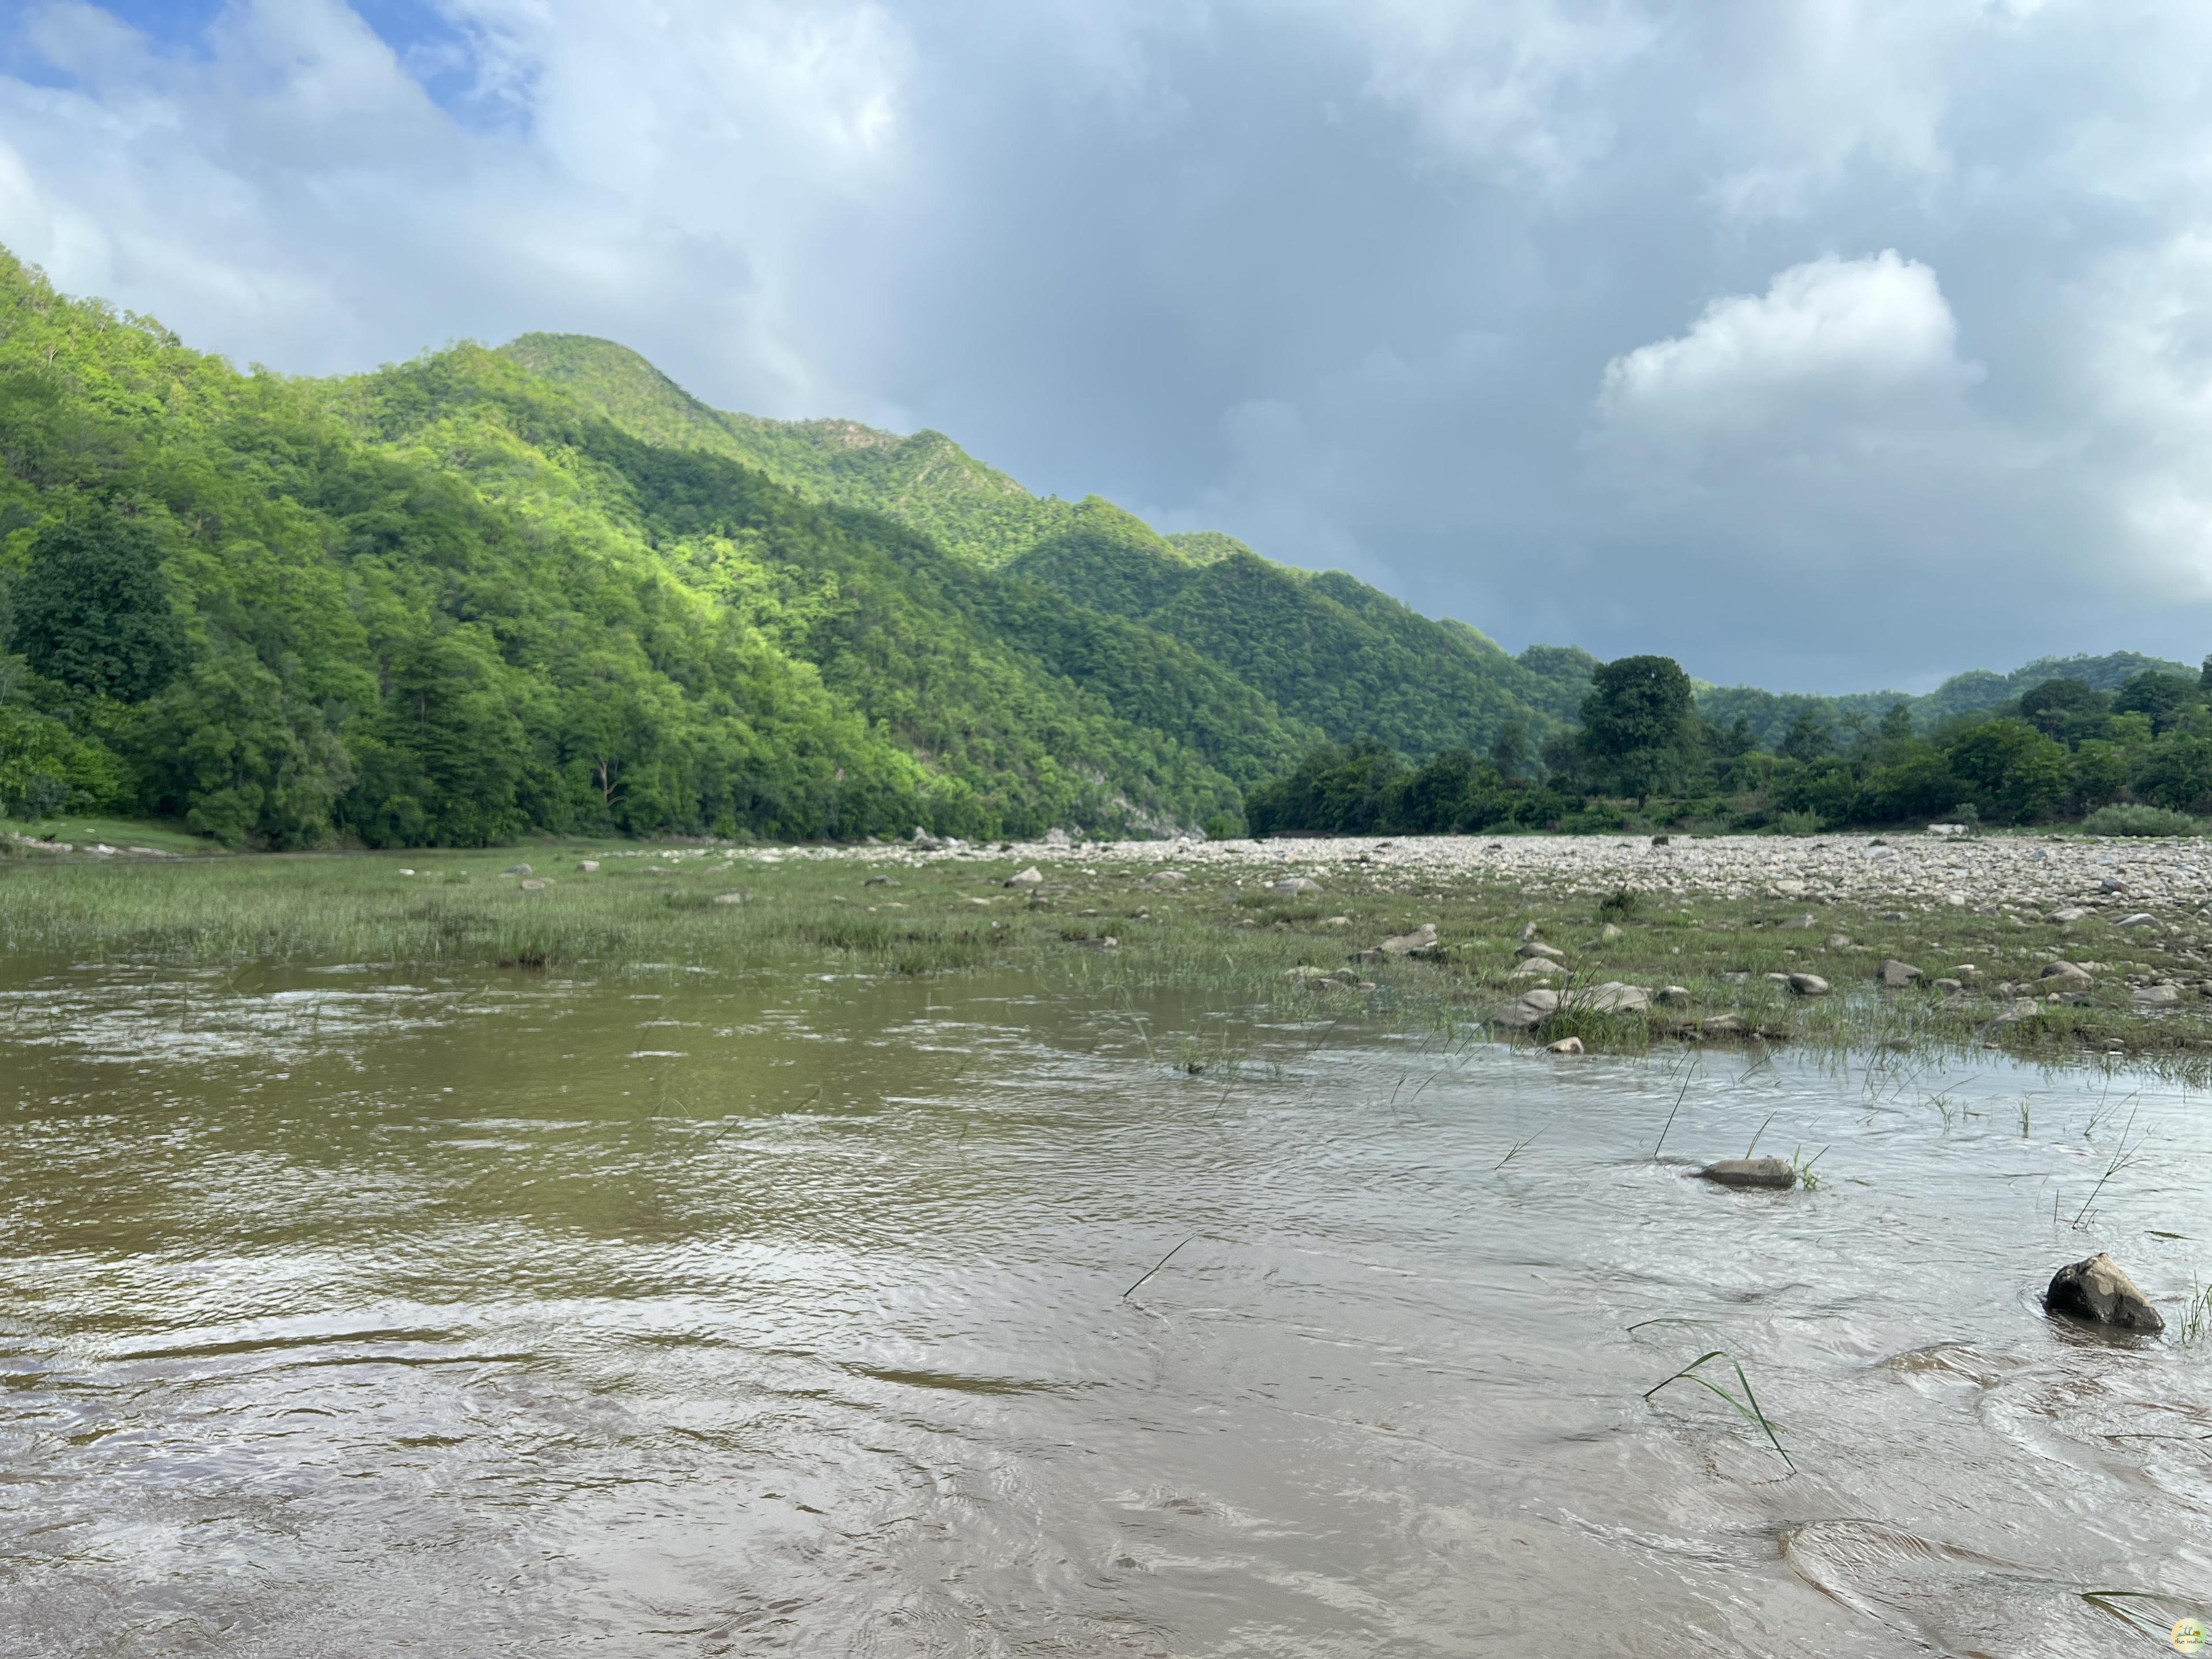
pixel 92 612
pixel 1635 722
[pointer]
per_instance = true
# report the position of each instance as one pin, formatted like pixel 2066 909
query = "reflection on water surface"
pixel 346 1313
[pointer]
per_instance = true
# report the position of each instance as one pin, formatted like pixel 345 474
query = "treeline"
pixel 2138 755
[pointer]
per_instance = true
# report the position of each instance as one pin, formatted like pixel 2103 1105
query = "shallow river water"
pixel 347 1313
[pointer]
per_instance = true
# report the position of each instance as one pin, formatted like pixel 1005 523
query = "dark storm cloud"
pixel 1822 343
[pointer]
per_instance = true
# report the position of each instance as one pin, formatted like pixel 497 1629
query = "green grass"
pixel 1212 935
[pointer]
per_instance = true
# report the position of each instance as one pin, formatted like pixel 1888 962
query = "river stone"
pixel 1808 985
pixel 2071 913
pixel 1564 1046
pixel 1775 1173
pixel 1839 941
pixel 1537 948
pixel 740 897
pixel 1423 938
pixel 516 869
pixel 2140 918
pixel 1722 1025
pixel 1673 995
pixel 1534 968
pixel 2065 976
pixel 2099 1290
pixel 535 886
pixel 1610 931
pixel 1166 878
pixel 1532 1008
pixel 1032 876
pixel 1895 976
pixel 876 881
pixel 1294 885
pixel 1947 986
pixel 587 866
pixel 2156 996
pixel 2020 1008
pixel 1611 998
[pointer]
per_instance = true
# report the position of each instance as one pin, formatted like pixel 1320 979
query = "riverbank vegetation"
pixel 2134 760
pixel 1220 932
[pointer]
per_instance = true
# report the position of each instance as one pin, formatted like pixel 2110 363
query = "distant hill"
pixel 1768 713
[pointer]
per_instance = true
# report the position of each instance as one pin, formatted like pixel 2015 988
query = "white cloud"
pixel 1855 334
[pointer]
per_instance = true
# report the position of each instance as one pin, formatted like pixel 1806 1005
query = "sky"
pixel 1820 344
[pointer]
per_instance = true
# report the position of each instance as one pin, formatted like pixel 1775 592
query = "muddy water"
pixel 344 1313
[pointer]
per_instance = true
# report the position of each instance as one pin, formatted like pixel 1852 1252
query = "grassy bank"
pixel 1221 932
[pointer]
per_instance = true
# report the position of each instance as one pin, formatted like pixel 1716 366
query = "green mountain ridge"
pixel 545 588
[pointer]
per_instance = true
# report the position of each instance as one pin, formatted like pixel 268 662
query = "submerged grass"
pixel 1104 934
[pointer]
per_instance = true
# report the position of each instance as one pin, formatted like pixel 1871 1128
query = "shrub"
pixel 1798 823
pixel 2120 819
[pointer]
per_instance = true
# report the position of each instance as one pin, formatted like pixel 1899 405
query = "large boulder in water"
pixel 2099 1290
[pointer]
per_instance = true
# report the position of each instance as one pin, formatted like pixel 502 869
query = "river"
pixel 356 1312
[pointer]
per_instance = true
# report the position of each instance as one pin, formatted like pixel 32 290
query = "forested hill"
pixel 1325 649
pixel 448 602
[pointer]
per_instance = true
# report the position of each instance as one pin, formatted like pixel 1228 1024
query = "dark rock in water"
pixel 1777 1173
pixel 2099 1290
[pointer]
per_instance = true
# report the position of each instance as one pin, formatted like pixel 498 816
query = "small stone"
pixel 2018 1009
pixel 1967 974
pixel 2071 913
pixel 1895 976
pixel 1674 996
pixel 2156 996
pixel 516 869
pixel 1535 968
pixel 1722 1025
pixel 1839 941
pixel 876 881
pixel 2065 976
pixel 587 866
pixel 1610 931
pixel 1564 1046
pixel 1423 938
pixel 1535 948
pixel 535 886
pixel 1947 986
pixel 2099 1290
pixel 1166 878
pixel 1338 921
pixel 1032 876
pixel 1294 885
pixel 1777 1173
pixel 2142 918
pixel 738 897
pixel 1808 985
